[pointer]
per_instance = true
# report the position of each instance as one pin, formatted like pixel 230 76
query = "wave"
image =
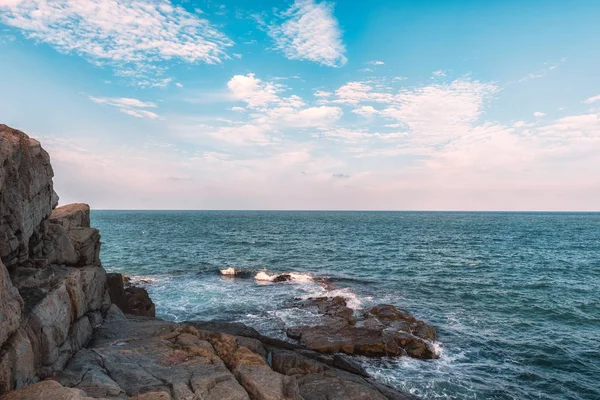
pixel 235 272
pixel 141 280
pixel 296 277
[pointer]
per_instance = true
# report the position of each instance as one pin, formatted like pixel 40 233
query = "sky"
pixel 308 104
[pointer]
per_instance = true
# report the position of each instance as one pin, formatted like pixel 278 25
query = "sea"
pixel 515 297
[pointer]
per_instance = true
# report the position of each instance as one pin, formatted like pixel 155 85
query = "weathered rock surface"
pixel 52 287
pixel 26 195
pixel 137 356
pixel 47 390
pixel 381 331
pixel 130 299
pixel 10 305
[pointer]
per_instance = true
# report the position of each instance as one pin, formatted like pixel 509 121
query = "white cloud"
pixel 533 76
pixel 441 111
pixel 129 106
pixel 310 32
pixel 320 93
pixel 357 92
pixel 179 85
pixel 376 62
pixel 136 38
pixel 253 91
pixel 439 73
pixel 366 111
pixel 139 113
pixel 306 118
pixel 238 109
pixel 123 102
pixel 539 114
pixel 592 99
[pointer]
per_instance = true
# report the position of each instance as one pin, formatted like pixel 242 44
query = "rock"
pixel 76 215
pixel 86 242
pixel 47 390
pixel 58 248
pixel 262 383
pixel 254 345
pixel 17 362
pixel 282 278
pixel 291 363
pixel 383 331
pixel 11 304
pixel 130 299
pixel 26 195
pixel 232 328
pixel 348 364
pixel 331 386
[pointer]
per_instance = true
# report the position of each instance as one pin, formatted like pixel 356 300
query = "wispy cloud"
pixel 310 32
pixel 376 62
pixel 134 107
pixel 592 99
pixel 136 38
pixel 539 114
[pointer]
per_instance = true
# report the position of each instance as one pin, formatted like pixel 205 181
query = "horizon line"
pixel 352 210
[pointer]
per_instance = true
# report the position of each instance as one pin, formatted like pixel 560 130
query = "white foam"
pixel 142 279
pixel 263 276
pixel 227 271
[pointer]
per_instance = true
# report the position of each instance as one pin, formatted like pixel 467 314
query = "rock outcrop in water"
pixel 61 336
pixel 130 299
pixel 381 331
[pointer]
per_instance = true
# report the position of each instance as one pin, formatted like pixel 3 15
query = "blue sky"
pixel 306 104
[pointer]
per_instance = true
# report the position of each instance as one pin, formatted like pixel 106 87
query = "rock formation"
pixel 61 336
pixel 52 287
pixel 381 331
pixel 130 299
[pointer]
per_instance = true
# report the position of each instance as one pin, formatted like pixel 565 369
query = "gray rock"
pixel 75 215
pixel 47 390
pixel 26 194
pixel 87 245
pixel 11 304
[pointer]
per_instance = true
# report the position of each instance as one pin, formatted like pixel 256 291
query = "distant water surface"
pixel 515 296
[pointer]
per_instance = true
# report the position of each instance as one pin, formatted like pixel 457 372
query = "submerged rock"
pixel 381 331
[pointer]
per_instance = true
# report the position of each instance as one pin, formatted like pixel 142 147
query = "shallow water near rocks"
pixel 515 297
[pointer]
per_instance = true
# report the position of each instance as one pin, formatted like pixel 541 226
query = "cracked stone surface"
pixel 146 358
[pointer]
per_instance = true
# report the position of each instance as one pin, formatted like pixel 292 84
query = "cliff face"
pixel 52 286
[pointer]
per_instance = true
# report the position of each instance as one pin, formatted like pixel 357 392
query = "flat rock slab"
pixel 146 358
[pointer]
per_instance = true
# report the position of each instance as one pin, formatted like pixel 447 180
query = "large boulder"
pixel 26 195
pixel 75 215
pixel 130 299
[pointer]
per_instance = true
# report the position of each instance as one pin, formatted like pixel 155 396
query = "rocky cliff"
pixel 52 286
pixel 61 336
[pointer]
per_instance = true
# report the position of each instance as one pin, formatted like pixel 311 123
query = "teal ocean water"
pixel 515 296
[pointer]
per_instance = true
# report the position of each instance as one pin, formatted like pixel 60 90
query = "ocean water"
pixel 515 297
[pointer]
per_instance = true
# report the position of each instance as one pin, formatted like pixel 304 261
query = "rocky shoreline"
pixel 69 330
